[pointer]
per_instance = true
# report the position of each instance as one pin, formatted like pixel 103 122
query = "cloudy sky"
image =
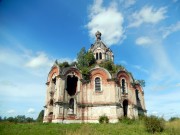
pixel 144 36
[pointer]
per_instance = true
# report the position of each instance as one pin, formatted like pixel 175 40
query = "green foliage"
pixel 126 120
pixel 137 128
pixel 90 58
pixel 73 63
pixel 103 119
pixel 19 119
pixel 11 119
pixel 40 116
pixel 111 67
pixel 142 117
pixel 108 65
pixel 64 64
pixel 81 58
pixel 85 61
pixel 142 83
pixel 154 124
pixel 174 119
pixel 29 120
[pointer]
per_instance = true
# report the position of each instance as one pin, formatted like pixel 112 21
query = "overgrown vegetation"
pixel 126 120
pixel 154 124
pixel 85 61
pixel 135 127
pixel 111 67
pixel 103 119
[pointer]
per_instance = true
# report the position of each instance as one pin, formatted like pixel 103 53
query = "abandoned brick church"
pixel 69 99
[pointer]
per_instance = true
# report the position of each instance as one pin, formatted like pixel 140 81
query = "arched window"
pixel 100 55
pixel 53 88
pixel 123 85
pixel 96 56
pixel 97 84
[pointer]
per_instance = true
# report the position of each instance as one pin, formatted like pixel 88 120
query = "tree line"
pixel 23 118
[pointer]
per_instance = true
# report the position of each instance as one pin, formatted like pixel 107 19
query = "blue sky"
pixel 144 37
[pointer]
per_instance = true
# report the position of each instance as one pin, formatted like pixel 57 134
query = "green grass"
pixel 122 128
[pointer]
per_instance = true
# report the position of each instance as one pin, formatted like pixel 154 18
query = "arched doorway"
pixel 125 107
pixel 71 84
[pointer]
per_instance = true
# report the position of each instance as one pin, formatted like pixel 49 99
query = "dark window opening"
pixel 100 55
pixel 97 84
pixel 54 81
pixel 71 103
pixel 51 102
pixel 123 86
pixel 71 84
pixel 96 56
pixel 137 95
pixel 51 113
pixel 125 107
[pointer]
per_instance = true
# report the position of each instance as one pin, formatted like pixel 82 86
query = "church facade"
pixel 70 99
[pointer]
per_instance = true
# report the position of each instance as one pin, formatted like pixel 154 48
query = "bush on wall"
pixel 103 119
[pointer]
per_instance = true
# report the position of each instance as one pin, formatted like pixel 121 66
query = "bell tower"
pixel 100 50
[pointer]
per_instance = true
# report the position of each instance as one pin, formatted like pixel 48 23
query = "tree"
pixel 28 119
pixel 90 58
pixel 64 64
pixel 81 58
pixel 109 65
pixel 10 119
pixel 21 118
pixel 142 83
pixel 40 116
pixel 73 63
pixel 84 62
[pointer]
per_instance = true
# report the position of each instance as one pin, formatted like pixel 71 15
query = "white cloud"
pixel 38 61
pixel 143 41
pixel 171 29
pixel 31 111
pixel 148 14
pixel 11 111
pixel 108 20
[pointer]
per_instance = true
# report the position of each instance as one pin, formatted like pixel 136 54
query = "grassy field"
pixel 134 128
